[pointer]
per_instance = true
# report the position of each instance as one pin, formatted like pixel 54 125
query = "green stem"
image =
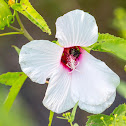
pixel 71 124
pixel 26 34
pixel 50 118
pixel 61 118
pixel 115 119
pixel 14 28
pixel 11 33
pixel 104 123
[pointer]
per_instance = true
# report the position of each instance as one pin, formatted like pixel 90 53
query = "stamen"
pixel 70 58
pixel 74 67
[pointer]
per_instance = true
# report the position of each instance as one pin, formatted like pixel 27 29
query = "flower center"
pixel 70 58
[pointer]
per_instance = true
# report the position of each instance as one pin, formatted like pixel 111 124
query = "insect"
pixel 70 58
pixel 74 52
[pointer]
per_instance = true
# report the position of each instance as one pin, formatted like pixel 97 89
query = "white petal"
pixel 95 85
pixel 39 58
pixel 96 109
pixel 58 94
pixel 76 28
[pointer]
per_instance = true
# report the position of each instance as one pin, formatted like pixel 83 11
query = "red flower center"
pixel 70 58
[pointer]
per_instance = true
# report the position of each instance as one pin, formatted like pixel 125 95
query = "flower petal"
pixel 39 58
pixel 58 94
pixel 95 85
pixel 76 28
pixel 96 109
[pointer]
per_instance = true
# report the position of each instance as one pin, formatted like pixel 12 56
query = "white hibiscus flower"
pixel 75 75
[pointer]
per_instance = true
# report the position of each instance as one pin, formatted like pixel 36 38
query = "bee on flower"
pixel 75 75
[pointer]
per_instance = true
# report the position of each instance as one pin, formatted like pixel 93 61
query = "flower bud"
pixel 11 2
pixel 102 118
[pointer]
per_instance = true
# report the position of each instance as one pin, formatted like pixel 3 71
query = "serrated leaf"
pixel 95 120
pixel 111 44
pixel 15 80
pixel 74 112
pixel 25 8
pixel 116 118
pixel 121 89
pixel 50 118
pixel 120 112
pixel 10 78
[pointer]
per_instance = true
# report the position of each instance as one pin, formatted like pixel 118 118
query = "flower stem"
pixel 104 123
pixel 11 33
pixel 71 124
pixel 25 33
pixel 14 28
pixel 51 118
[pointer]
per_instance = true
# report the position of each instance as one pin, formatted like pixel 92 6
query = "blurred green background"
pixel 110 16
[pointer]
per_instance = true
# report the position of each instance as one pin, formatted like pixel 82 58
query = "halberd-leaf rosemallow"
pixel 75 75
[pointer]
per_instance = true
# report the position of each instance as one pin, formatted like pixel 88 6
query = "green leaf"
pixel 17 49
pixel 95 120
pixel 122 88
pixel 120 115
pixel 5 15
pixel 116 118
pixel 15 80
pixel 111 44
pixel 74 112
pixel 50 118
pixel 10 78
pixel 25 8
